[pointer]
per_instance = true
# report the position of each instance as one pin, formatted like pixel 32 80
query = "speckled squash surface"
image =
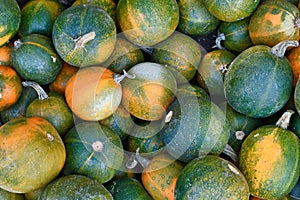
pixel 267 155
pixel 181 54
pixel 211 177
pixel 93 150
pixel 10 20
pixel 150 92
pixel 38 17
pixel 75 187
pixel 231 11
pixel 195 19
pixel 160 177
pixel 258 65
pixel 35 59
pixel 127 188
pixel 147 22
pixel 92 93
pixel 33 154
pixel 273 22
pixel 10 87
pixel 84 35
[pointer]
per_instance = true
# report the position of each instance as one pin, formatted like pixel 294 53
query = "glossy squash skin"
pixel 147 22
pixel 33 154
pixel 75 187
pixel 84 35
pixel 273 22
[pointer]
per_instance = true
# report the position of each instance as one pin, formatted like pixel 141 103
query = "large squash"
pixel 32 154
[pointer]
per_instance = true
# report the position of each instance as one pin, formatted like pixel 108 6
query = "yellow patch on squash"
pixel 5 39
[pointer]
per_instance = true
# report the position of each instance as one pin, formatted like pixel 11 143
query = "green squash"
pixel 211 177
pixel 269 159
pixel 10 20
pixel 197 127
pixel 127 188
pixel 35 59
pixel 181 54
pixel 147 22
pixel 34 195
pixel 188 89
pixel 258 64
pixel 5 195
pixel 38 17
pixel 195 19
pixel 75 187
pixel 84 35
pixel 93 150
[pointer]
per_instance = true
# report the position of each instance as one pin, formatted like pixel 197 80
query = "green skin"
pixel 124 57
pixel 258 65
pixel 39 16
pixel 83 159
pixel 231 10
pixel 189 135
pixel 236 34
pixel 5 195
pixel 155 20
pixel 75 187
pixel 34 59
pixel 297 96
pixel 211 177
pixel 191 90
pixel 19 108
pixel 195 19
pixel 286 167
pixel 35 194
pixel 238 122
pixel 127 188
pixel 182 55
pixel 10 19
pixel 209 74
pixel 76 22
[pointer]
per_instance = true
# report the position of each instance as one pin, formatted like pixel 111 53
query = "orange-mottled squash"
pixel 294 58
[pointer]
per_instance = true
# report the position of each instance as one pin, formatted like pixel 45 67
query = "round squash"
pixel 38 17
pixel 274 74
pixel 195 19
pixel 188 89
pixel 274 22
pixel 10 20
pixel 35 59
pixel 197 127
pixel 294 57
pixel 32 153
pixel 160 176
pixel 75 187
pixel 5 195
pixel 52 108
pixel 267 155
pixel 10 87
pixel 147 94
pixel 35 194
pixel 231 11
pixel 147 22
pixel 93 94
pixel 124 56
pixel 181 54
pixel 84 35
pixel 5 54
pixel 211 177
pixel 93 150
pixel 127 188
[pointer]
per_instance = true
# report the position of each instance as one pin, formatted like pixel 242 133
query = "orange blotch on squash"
pixel 294 58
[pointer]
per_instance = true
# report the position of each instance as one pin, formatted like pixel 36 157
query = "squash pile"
pixel 107 99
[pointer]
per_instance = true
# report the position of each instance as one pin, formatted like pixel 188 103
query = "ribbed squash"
pixel 147 22
pixel 32 153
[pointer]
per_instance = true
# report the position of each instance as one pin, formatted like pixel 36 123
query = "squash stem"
pixel 228 150
pixel 119 78
pixel 285 119
pixel 143 161
pixel 82 40
pixel 131 163
pixel 97 146
pixel 280 49
pixel 239 135
pixel 40 91
pixel 219 39
pixel 17 44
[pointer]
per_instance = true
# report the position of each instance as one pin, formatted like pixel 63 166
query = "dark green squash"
pixel 93 150
pixel 75 187
pixel 35 59
pixel 211 177
pixel 263 65
pixel 127 188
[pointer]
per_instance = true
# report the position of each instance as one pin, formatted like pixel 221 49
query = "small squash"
pixel 32 153
pixel 84 35
pixel 93 94
pixel 10 87
pixel 147 22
